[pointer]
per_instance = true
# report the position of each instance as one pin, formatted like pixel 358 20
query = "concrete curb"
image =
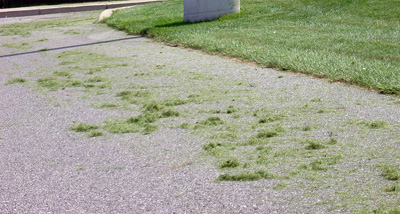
pixel 43 10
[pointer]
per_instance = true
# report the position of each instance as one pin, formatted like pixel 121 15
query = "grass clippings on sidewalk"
pixel 353 41
pixel 311 146
pixel 334 154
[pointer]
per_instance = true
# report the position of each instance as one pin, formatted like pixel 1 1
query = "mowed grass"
pixel 353 41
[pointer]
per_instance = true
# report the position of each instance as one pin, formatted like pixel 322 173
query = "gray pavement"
pixel 68 8
pixel 48 168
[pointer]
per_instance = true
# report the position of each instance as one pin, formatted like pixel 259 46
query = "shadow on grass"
pixel 145 32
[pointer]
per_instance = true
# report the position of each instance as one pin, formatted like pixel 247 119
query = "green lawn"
pixel 355 41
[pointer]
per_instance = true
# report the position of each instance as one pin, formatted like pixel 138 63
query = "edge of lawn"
pixel 146 32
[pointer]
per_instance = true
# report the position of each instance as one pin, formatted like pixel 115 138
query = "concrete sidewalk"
pixel 65 8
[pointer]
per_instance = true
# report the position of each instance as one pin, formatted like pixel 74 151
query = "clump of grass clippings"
pixel 322 164
pixel 387 209
pixel 89 86
pixel 108 105
pixel 263 135
pixel 95 134
pixel 376 124
pixel 391 172
pixel 268 118
pixel 175 102
pixel 269 133
pixel 93 71
pixel 211 146
pixel 263 159
pixel 212 121
pixel 75 83
pixel 136 86
pixel 82 127
pixel 230 163
pixel 306 128
pixel 120 127
pixel 149 128
pixel 158 110
pixel 318 165
pixel 62 74
pixel 263 148
pixel 153 107
pixel 280 186
pixel 66 63
pixel 49 82
pixel 332 141
pixel 96 79
pixel 246 176
pixel 236 116
pixel 15 80
pixel 170 113
pixel 129 95
pixel 143 119
pixel 316 100
pixel 314 145
pixel 256 141
pixel 216 150
pixel 103 86
pixel 225 135
pixel 151 112
pixel 393 188
pixel 184 125
pixel 215 111
pixel 231 109
pixel 23 45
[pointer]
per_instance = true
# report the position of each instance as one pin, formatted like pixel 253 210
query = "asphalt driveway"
pixel 61 71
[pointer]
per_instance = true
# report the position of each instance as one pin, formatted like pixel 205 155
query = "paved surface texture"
pixel 48 168
pixel 66 8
